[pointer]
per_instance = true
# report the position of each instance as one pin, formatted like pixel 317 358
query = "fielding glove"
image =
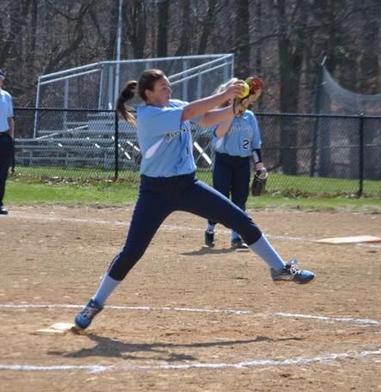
pixel 259 182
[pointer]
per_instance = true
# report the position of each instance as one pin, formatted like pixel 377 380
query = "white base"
pixel 350 240
pixel 57 329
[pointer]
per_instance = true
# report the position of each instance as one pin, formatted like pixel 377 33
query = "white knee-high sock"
pixel 105 289
pixel 264 250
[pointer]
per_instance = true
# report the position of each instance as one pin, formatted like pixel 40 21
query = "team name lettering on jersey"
pixel 171 135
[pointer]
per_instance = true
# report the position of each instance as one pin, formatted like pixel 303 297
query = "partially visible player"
pixel 168 182
pixel 7 126
pixel 236 142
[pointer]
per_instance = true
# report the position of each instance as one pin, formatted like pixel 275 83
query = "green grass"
pixel 75 187
pixel 313 186
pixel 43 173
pixel 19 192
pixel 326 203
pixel 277 183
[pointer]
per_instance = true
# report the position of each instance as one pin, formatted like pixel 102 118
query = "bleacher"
pixel 88 143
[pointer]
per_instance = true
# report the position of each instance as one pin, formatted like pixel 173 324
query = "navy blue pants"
pixel 6 153
pixel 158 197
pixel 231 177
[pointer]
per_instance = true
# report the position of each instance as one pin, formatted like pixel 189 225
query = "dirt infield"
pixel 187 318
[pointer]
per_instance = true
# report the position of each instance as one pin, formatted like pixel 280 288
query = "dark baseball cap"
pixel 2 74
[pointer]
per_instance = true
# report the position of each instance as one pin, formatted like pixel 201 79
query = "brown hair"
pixel 146 82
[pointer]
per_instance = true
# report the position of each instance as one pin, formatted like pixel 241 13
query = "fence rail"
pixel 295 146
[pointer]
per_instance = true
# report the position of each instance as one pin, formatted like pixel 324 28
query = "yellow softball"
pixel 245 91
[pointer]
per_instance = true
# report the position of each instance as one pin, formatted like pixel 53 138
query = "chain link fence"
pixel 305 153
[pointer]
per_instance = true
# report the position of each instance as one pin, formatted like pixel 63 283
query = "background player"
pixel 235 142
pixel 7 126
pixel 168 182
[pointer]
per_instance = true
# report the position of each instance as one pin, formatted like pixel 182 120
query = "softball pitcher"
pixel 168 182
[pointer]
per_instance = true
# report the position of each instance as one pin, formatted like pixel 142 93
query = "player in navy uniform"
pixel 168 182
pixel 236 141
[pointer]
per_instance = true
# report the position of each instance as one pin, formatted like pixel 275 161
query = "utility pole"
pixel 118 46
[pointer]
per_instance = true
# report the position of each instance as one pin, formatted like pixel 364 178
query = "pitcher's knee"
pixel 123 263
pixel 248 230
pixel 251 235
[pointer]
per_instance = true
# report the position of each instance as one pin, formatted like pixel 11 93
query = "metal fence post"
pixel 317 122
pixel 361 155
pixel 116 145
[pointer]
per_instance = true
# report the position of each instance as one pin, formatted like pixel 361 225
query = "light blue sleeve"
pixel 159 121
pixel 10 107
pixel 257 140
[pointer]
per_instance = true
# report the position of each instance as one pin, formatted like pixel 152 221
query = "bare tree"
pixel 242 25
pixel 291 43
pixel 284 40
pixel 163 23
pixel 185 43
pixel 135 19
pixel 208 23
pixel 370 80
pixel 60 54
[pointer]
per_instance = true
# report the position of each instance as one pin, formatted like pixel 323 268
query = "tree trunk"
pixel 184 45
pixel 136 31
pixel 242 24
pixel 290 66
pixel 9 48
pixel 369 61
pixel 207 26
pixel 258 48
pixel 163 23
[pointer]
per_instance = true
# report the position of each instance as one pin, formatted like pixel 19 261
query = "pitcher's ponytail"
pixel 127 93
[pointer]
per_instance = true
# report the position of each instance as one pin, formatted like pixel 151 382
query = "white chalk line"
pixel 97 368
pixel 349 320
pixel 166 227
pixel 296 361
pixel 122 307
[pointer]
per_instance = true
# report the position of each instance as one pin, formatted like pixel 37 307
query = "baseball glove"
pixel 259 182
pixel 253 91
